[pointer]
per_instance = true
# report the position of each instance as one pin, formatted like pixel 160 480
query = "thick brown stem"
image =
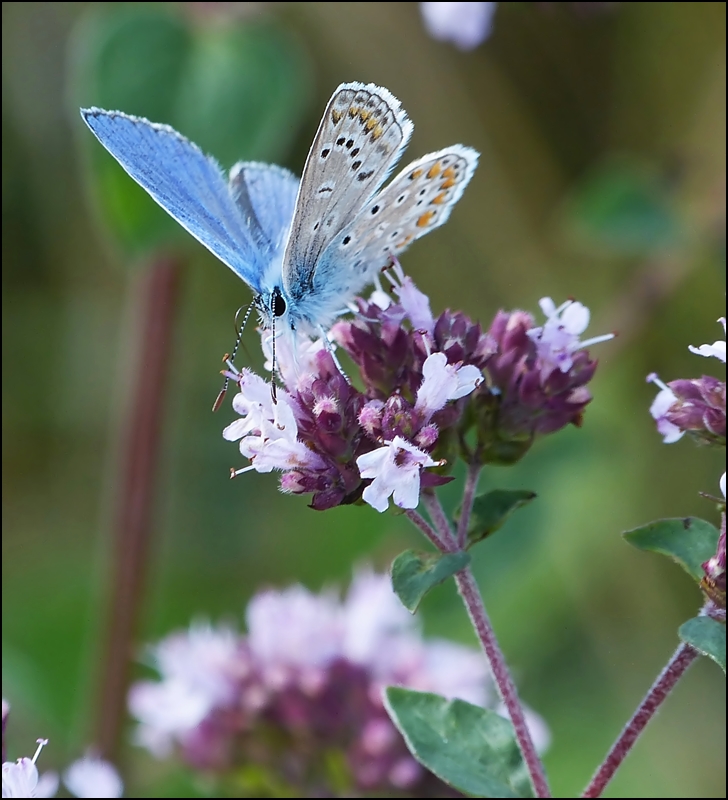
pixel 141 437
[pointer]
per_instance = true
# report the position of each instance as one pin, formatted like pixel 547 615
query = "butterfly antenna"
pixel 230 357
pixel 273 388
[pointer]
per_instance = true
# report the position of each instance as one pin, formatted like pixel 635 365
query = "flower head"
pixel 696 406
pixel 425 383
pixel 536 379
pixel 309 681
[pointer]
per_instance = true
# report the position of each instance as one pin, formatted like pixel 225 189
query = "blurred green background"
pixel 602 177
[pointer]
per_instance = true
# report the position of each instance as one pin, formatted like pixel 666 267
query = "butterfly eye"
pixel 279 305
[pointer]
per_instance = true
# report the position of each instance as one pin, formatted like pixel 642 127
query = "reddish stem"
pixel 141 435
pixel 471 484
pixel 437 514
pixel 661 688
pixel 470 593
pixel 417 519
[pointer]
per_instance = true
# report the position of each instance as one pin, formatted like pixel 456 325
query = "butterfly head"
pixel 274 310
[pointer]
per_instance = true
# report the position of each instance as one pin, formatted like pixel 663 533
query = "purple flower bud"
pixel 462 341
pixel 536 380
pixel 699 408
pixel 713 583
pixel 427 437
pixel 370 418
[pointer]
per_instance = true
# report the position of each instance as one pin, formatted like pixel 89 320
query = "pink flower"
pixel 395 468
pixel 414 303
pixel 442 382
pixel 558 339
pixel 268 431
pixel 662 403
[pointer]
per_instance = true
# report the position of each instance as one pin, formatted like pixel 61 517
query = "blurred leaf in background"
pixel 241 91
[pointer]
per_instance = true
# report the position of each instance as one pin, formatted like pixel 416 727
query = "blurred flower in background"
pixel 464 24
pixel 295 704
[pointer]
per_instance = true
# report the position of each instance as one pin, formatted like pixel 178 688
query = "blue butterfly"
pixel 307 247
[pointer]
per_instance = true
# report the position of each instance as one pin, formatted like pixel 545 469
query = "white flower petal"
pixel 715 350
pixel 575 318
pixel 19 778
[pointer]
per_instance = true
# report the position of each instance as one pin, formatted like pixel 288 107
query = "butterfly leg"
pixel 329 345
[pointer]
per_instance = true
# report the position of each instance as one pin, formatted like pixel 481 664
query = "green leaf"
pixel 471 748
pixel 623 206
pixel 414 573
pixel 689 541
pixel 707 636
pixel 491 510
pixel 239 90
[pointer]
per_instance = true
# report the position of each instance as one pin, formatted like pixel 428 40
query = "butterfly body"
pixel 307 247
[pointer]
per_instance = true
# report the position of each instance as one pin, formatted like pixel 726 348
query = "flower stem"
pixel 443 545
pixel 141 441
pixel 471 485
pixel 470 593
pixel 439 519
pixel 661 688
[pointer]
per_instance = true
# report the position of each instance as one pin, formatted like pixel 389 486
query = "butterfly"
pixel 307 247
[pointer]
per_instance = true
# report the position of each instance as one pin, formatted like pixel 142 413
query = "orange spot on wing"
pixel 434 170
pixel 416 174
pixel 449 172
pixel 407 239
pixel 377 132
pixel 447 184
pixel 336 116
pixel 425 219
pixel 439 199
pixel 354 111
pixel 364 115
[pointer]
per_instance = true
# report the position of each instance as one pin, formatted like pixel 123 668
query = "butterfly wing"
pixel 417 201
pixel 266 196
pixel 361 137
pixel 187 184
